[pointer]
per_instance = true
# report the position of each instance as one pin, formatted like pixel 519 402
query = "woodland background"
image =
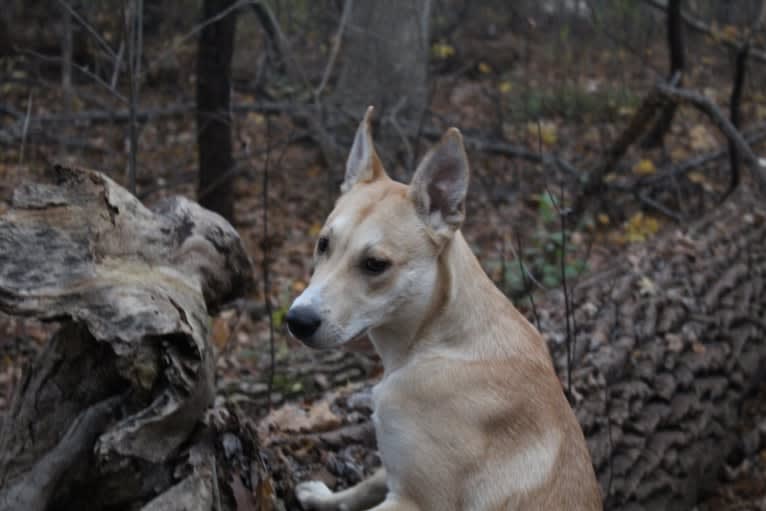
pixel 605 138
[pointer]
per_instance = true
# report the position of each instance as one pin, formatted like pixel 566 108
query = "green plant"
pixel 542 257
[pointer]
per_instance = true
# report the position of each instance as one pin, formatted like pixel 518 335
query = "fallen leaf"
pixel 221 332
pixel 644 167
pixel 640 227
pixel 484 68
pixel 646 286
pixel 505 87
pixel 442 50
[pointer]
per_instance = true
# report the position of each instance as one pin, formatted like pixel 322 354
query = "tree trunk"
pixel 216 47
pixel 675 37
pixel 386 64
pixel 105 418
pixel 669 343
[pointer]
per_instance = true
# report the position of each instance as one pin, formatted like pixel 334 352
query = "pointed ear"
pixel 363 164
pixel 440 184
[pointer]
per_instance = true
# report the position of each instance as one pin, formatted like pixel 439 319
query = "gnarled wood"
pixel 125 381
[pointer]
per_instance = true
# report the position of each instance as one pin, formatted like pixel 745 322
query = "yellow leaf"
pixel 644 168
pixel 256 118
pixel 442 50
pixel 603 218
pixel 545 130
pixel 696 177
pixel 640 227
pixel 626 111
pixel 314 229
pixel 484 68
pixel 505 87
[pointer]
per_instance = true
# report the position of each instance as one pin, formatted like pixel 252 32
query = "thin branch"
pixel 265 264
pixel 702 27
pixel 89 28
pixel 25 129
pixel 348 5
pixel 83 70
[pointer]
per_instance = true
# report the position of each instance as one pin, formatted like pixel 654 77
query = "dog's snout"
pixel 303 322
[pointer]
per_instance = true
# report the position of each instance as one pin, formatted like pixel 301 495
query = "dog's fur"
pixel 470 414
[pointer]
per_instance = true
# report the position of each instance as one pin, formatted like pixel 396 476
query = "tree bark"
pixel 105 417
pixel 214 54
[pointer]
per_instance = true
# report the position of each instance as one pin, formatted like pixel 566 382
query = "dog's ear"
pixel 363 164
pixel 440 184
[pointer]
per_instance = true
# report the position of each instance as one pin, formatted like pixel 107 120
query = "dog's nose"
pixel 302 322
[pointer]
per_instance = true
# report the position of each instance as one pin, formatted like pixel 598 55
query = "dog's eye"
pixel 376 266
pixel 322 245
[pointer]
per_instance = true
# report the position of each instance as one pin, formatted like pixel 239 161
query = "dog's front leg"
pixel 316 496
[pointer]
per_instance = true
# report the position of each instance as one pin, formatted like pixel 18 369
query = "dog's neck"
pixel 462 317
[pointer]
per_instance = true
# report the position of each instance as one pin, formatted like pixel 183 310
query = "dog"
pixel 469 414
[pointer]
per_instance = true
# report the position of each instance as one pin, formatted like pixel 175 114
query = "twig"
pixel 117 65
pixel 89 28
pixel 83 70
pixel 265 264
pixel 348 5
pixel 134 30
pixel 25 129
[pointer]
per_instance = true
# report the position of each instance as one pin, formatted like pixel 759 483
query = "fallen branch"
pixel 707 107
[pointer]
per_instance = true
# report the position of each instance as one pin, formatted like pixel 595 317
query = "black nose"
pixel 303 322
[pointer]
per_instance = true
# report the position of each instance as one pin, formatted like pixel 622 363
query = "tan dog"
pixel 469 414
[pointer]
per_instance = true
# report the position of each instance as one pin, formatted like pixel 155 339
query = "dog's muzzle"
pixel 303 322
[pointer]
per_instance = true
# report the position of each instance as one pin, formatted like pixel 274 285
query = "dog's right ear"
pixel 363 164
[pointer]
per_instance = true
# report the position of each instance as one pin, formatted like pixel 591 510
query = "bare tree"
pixel 216 47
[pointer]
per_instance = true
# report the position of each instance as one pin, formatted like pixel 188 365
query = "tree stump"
pixel 109 415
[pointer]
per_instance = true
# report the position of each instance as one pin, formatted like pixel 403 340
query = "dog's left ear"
pixel 440 184
pixel 363 164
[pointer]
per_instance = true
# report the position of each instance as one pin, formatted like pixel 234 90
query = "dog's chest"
pixel 408 440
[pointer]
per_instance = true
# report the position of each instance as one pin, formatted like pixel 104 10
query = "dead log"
pixel 668 344
pixel 109 415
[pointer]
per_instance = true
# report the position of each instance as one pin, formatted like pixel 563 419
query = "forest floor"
pixel 582 94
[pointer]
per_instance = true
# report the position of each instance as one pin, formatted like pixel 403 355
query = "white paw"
pixel 313 495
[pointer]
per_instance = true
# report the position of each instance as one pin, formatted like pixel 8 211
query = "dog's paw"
pixel 313 496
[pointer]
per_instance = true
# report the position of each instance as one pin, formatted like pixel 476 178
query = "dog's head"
pixel 376 259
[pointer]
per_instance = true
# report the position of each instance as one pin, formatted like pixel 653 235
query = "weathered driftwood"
pixel 669 342
pixel 110 405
